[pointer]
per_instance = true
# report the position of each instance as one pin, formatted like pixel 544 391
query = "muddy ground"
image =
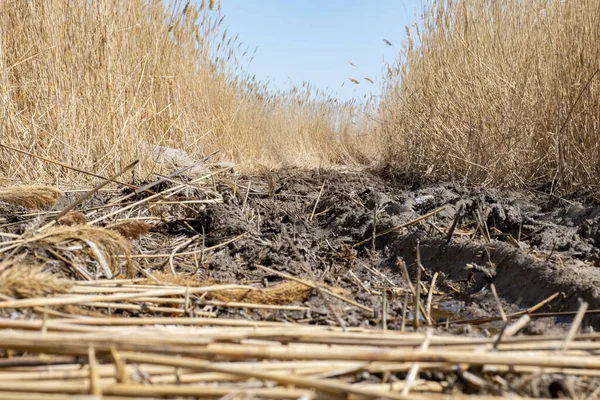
pixel 533 244
pixel 318 225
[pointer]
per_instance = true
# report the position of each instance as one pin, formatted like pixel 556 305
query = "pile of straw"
pixel 212 358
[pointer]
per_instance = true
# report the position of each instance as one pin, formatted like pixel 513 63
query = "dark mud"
pixel 533 243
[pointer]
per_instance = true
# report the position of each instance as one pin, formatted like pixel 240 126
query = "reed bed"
pixel 502 93
pixel 96 85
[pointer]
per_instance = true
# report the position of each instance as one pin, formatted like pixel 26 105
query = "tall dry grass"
pixel 89 82
pixel 502 92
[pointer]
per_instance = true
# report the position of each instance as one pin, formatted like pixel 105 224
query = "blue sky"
pixel 314 41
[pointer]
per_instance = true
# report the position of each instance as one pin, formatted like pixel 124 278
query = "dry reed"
pixel 279 294
pixel 72 218
pixel 498 92
pixel 130 228
pixel 110 77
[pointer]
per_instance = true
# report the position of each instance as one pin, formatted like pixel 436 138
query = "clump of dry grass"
pixel 130 228
pixel 32 197
pixel 498 92
pixel 109 77
pixel 72 218
pixel 83 242
pixel 19 279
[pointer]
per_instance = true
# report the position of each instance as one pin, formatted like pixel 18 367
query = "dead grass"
pixel 19 279
pixel 498 92
pixel 32 197
pixel 89 83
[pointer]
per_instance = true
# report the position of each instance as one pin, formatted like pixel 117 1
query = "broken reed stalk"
pixel 321 385
pixel 123 391
pixel 90 193
pixel 54 301
pixel 484 227
pixel 202 250
pixel 94 379
pixel 575 325
pixel 418 289
pixel 360 283
pixel 81 325
pixel 312 215
pixel 402 265
pixel 121 375
pixel 498 303
pixel 54 343
pixel 245 202
pixel 398 227
pixel 502 315
pixel 404 310
pixel 430 296
pixel 384 307
pixel 514 328
pixel 374 233
pixel 183 245
pixel 455 223
pixel 209 201
pixel 549 256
